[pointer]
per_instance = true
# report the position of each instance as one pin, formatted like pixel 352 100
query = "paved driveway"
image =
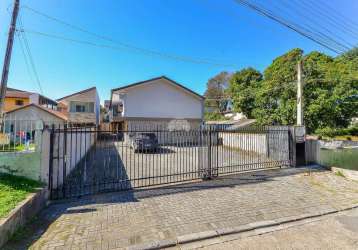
pixel 123 219
pixel 115 166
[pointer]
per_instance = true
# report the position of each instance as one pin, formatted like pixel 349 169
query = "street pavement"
pixel 166 216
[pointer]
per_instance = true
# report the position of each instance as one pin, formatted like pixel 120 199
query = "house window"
pixel 19 102
pixel 82 107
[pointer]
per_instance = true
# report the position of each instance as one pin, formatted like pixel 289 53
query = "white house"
pixel 158 102
pixel 81 107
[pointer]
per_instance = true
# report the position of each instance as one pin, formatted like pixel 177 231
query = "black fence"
pixel 88 161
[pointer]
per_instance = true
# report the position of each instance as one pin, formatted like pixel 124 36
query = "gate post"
pixel 50 172
pixel 209 167
pixel 64 164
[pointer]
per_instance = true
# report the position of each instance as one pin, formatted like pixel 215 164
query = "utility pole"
pixel 299 94
pixel 5 70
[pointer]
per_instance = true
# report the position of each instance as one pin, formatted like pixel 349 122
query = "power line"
pixel 106 46
pixel 306 30
pixel 334 22
pixel 343 18
pixel 22 48
pixel 295 27
pixel 125 45
pixel 344 44
pixel 27 47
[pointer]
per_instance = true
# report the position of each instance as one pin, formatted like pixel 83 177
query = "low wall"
pixel 332 153
pixel 312 148
pixel 21 214
pixel 26 163
pixel 251 142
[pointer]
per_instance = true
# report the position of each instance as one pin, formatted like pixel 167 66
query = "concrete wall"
pixel 21 214
pixel 251 142
pixel 160 99
pixel 25 163
pixel 273 144
pixel 312 148
pixel 343 154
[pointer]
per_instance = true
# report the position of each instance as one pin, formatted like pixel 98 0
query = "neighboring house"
pixel 107 104
pixel 30 117
pixel 81 107
pixel 154 103
pixel 106 111
pixel 16 98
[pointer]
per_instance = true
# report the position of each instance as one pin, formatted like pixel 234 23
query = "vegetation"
pixel 214 116
pixel 16 148
pixel 330 91
pixel 216 92
pixel 242 89
pixel 333 132
pixel 14 189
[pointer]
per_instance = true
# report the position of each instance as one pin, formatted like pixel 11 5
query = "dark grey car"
pixel 144 142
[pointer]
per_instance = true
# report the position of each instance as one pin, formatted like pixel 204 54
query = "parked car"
pixel 144 142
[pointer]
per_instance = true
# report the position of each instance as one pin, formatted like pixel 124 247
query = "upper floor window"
pixel 19 102
pixel 82 107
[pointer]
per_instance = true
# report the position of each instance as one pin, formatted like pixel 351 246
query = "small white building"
pixel 158 102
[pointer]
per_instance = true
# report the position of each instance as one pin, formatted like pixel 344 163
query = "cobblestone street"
pixel 172 213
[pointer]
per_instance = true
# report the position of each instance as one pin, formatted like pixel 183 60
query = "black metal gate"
pixel 88 161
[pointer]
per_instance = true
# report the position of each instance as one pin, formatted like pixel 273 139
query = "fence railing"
pixel 19 135
pixel 86 160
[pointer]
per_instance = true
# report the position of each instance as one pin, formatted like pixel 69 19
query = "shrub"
pixel 332 132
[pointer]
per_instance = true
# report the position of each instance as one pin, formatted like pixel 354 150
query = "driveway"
pixel 115 166
pixel 188 211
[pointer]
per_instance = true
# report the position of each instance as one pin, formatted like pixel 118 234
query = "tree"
pixel 276 98
pixel 215 92
pixel 242 89
pixel 330 91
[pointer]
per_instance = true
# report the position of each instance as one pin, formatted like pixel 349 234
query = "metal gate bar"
pixel 85 160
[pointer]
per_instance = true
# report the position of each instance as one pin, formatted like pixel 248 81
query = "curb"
pixel 193 237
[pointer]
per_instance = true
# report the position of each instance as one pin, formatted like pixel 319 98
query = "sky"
pixel 220 31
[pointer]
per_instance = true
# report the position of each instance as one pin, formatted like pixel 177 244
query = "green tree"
pixel 276 98
pixel 215 94
pixel 242 89
pixel 330 91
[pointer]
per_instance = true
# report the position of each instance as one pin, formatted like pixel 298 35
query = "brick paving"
pixel 338 231
pixel 122 219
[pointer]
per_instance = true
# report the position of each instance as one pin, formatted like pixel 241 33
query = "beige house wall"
pixel 79 117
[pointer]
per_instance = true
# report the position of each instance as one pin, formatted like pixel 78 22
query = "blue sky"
pixel 218 30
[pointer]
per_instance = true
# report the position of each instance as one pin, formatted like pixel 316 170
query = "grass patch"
pixel 14 189
pixel 339 173
pixel 16 148
pixel 343 138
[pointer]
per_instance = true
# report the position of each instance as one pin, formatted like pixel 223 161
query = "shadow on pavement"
pixel 89 204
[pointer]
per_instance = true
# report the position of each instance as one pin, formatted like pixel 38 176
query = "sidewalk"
pixel 338 231
pixel 181 213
